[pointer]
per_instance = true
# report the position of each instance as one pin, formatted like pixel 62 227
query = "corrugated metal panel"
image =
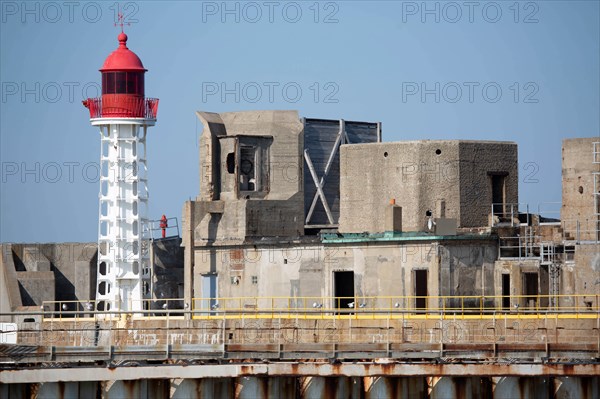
pixel 320 136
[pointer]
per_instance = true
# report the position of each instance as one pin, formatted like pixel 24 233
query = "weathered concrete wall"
pixel 398 329
pixel 410 172
pixel 305 269
pixel 467 270
pixel 36 287
pixel 586 272
pixel 48 272
pixel 450 178
pixel 578 188
pixel 479 161
pixel 277 208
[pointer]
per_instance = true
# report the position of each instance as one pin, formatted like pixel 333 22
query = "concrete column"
pixel 66 390
pixel 379 387
pixel 10 391
pixel 521 387
pixel 395 387
pixel 124 389
pixel 576 387
pixel 331 387
pixel 265 387
pixel 459 387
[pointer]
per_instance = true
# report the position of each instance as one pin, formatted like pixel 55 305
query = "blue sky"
pixel 521 71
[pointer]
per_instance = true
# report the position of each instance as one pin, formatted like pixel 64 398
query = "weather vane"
pixel 121 20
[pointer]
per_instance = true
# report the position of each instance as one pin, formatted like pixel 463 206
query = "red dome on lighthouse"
pixel 123 87
pixel 122 59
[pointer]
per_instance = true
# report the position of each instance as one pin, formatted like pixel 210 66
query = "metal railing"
pixel 549 210
pixel 122 106
pixel 508 214
pixel 526 247
pixel 90 309
pixel 154 228
pixel 479 306
pixel 383 305
pixel 577 230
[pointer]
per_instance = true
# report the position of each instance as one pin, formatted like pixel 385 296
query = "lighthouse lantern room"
pixel 123 114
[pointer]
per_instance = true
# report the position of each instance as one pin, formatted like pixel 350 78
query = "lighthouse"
pixel 123 114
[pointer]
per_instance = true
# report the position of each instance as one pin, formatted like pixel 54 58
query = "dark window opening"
pixel 230 163
pixel 123 83
pixel 506 291
pixel 530 289
pixel 248 168
pixel 420 289
pixel 343 287
pixel 498 194
pixel 438 151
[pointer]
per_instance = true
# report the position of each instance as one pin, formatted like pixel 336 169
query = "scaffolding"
pixel 519 247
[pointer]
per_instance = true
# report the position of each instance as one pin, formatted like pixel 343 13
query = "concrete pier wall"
pixel 316 387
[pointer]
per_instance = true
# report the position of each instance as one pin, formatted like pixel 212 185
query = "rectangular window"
pixel 498 194
pixel 123 83
pixel 120 82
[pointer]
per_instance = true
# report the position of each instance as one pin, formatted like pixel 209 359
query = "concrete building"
pixel 377 249
pixel 453 228
pixel 453 179
pixel 269 174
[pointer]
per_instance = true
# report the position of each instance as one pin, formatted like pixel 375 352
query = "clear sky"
pixel 521 71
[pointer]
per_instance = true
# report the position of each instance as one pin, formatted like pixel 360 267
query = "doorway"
pixel 209 292
pixel 530 289
pixel 343 288
pixel 420 289
pixel 506 291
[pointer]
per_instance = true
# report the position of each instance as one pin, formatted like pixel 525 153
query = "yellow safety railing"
pixel 376 307
pixel 469 306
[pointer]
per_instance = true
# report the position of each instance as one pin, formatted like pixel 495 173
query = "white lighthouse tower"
pixel 123 114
